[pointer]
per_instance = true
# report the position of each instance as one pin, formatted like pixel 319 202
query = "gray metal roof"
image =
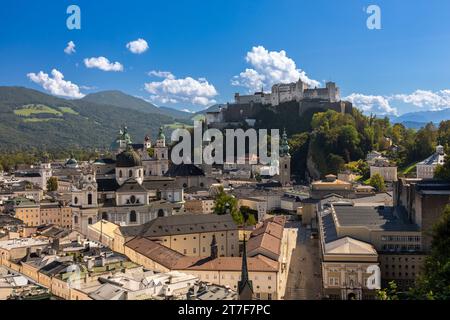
pixel 181 224
pixel 374 218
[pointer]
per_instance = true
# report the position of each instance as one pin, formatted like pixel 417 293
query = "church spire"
pixel 214 250
pixel 284 145
pixel 245 287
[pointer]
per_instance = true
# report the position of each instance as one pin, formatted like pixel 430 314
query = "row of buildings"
pixel 209 247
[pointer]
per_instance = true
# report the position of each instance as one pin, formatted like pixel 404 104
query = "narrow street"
pixel 304 280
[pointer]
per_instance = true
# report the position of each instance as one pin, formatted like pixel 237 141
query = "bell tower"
pixel 285 161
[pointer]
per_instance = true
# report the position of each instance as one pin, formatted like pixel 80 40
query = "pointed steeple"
pixel 284 145
pixel 245 286
pixel 214 250
pixel 161 133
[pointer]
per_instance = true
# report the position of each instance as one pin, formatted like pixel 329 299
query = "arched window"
pixel 75 200
pixel 105 216
pixel 133 217
pixel 160 213
pixel 130 173
pixel 90 221
pixel 120 174
pixel 89 198
pixel 75 219
pixel 133 199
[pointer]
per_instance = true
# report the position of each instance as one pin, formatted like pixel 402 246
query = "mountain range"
pixel 421 118
pixel 33 119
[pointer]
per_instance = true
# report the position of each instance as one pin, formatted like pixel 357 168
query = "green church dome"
pixel 128 158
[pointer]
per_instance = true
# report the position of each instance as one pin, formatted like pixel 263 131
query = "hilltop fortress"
pixel 246 107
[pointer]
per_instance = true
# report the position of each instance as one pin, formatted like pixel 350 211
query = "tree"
pixel 424 142
pixel 251 220
pixel 389 293
pixel 442 172
pixel 249 214
pixel 335 163
pixel 52 184
pixel 377 182
pixel 226 203
pixel 434 284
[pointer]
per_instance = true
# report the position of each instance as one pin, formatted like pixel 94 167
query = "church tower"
pixel 121 142
pixel 84 202
pixel 161 154
pixel 285 161
pixel 245 286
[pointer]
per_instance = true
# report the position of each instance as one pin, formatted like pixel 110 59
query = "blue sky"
pixel 202 46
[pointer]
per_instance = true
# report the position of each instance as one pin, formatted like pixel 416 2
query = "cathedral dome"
pixel 128 158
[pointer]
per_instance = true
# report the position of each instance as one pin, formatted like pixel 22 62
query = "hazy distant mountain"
pixel 212 108
pixel 413 124
pixel 423 116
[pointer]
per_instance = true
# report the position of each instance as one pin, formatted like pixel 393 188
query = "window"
pixel 89 198
pixel 75 200
pixel 160 213
pixel 133 199
pixel 75 219
pixel 130 173
pixel 120 174
pixel 133 217
pixel 90 221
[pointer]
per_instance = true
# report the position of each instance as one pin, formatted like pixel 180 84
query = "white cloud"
pixel 269 68
pixel 187 90
pixel 161 74
pixel 70 48
pixel 426 99
pixel 88 87
pixel 372 104
pixel 103 63
pixel 138 46
pixel 249 78
pixel 187 110
pixel 56 85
